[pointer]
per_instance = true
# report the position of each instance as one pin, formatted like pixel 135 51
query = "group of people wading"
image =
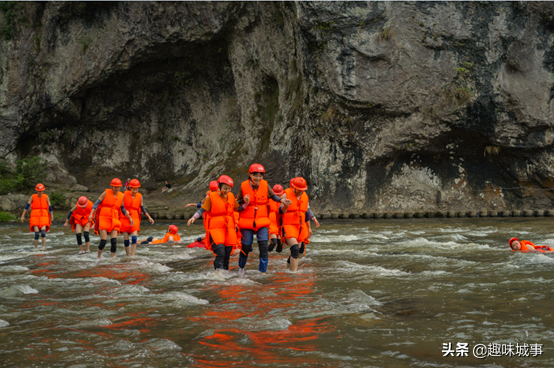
pixel 274 215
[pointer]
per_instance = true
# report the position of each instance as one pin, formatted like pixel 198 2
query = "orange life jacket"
pixel 296 212
pixel 176 237
pixel 110 208
pixel 39 212
pixel 81 215
pixel 537 248
pixel 256 215
pixel 274 217
pixel 221 212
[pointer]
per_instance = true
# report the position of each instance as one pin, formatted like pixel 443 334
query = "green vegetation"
pixel 386 34
pixel 491 150
pixel 57 199
pixel 85 44
pixel 6 216
pixel 8 8
pixel 28 172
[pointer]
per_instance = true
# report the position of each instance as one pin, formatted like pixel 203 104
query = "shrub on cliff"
pixel 28 172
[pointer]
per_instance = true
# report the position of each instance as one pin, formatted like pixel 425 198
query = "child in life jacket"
pixel 527 246
pixel 170 236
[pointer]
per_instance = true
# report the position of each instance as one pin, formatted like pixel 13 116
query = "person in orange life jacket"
pixel 275 218
pixel 214 187
pixel 40 220
pixel 255 193
pixel 294 228
pixel 527 246
pixel 111 205
pixel 134 204
pixel 221 234
pixel 78 216
pixel 170 237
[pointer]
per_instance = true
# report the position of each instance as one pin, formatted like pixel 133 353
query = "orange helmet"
pixel 39 187
pixel 256 168
pixel 224 179
pixel 116 183
pixel 214 186
pixel 299 183
pixel 173 229
pixel 134 183
pixel 82 202
pixel 278 189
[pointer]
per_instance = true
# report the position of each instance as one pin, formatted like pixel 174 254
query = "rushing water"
pixel 380 293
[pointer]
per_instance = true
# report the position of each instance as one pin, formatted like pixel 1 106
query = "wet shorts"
pixel 248 235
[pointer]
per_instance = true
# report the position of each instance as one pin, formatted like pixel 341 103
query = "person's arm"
pixel 191 205
pixel 126 214
pixel 50 209
pixel 240 197
pixel 95 206
pixel 144 211
pixel 69 215
pixel 26 208
pixel 310 230
pixel 312 216
pixel 205 207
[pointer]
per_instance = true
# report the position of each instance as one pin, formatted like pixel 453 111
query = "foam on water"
pixel 351 267
pixel 17 290
pixel 4 323
pixel 13 268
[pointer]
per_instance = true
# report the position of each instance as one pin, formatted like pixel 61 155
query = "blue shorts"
pixel 248 235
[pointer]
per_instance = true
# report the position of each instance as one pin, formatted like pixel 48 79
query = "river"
pixel 380 293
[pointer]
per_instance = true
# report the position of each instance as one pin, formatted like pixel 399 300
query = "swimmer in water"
pixel 78 217
pixel 527 246
pixel 40 220
pixel 170 237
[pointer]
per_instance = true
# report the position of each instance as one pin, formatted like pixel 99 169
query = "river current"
pixel 380 293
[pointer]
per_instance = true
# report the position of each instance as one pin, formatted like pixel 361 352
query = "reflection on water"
pixel 379 293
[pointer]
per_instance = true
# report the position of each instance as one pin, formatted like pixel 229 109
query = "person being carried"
pixel 170 237
pixel 166 187
pixel 78 218
pixel 39 220
pixel 526 246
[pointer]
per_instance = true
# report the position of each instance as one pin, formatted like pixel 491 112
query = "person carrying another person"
pixel 166 187
pixel 110 207
pixel 255 193
pixel 527 246
pixel 78 217
pixel 40 219
pixel 219 222
pixel 170 236
pixel 134 204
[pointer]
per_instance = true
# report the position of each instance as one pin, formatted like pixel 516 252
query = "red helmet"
pixel 82 202
pixel 290 185
pixel 173 229
pixel 214 186
pixel 134 183
pixel 39 187
pixel 116 183
pixel 278 189
pixel 299 183
pixel 224 179
pixel 511 240
pixel 256 168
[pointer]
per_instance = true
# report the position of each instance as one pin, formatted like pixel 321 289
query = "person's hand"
pixel 90 218
pixel 66 222
pixel 22 218
pixel 190 221
pixel 316 222
pixel 286 202
pixel 190 205
pixel 311 233
pixel 247 198
pixel 131 221
pixel 151 220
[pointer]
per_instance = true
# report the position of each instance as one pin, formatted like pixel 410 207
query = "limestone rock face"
pixel 386 106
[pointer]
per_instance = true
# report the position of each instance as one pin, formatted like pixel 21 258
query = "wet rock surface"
pixel 380 106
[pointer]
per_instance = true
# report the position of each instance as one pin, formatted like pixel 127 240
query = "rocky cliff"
pixel 379 105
